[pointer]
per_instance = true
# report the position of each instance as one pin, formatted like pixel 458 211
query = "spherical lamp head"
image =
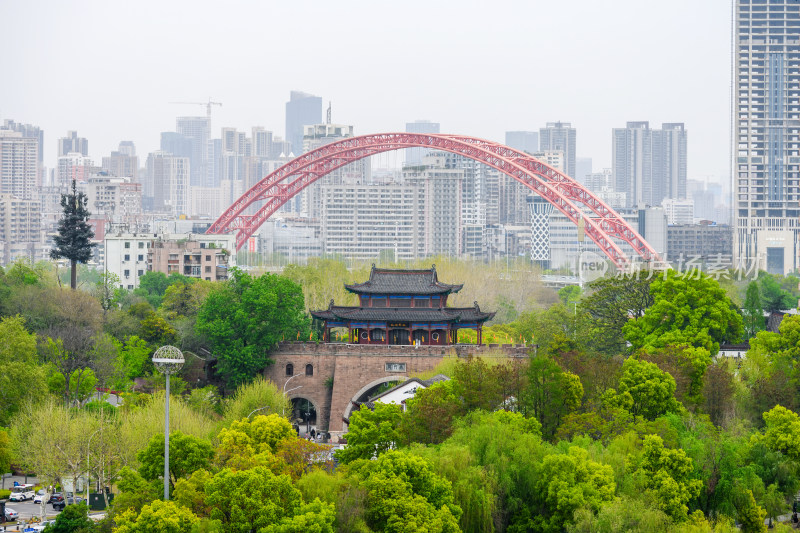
pixel 168 359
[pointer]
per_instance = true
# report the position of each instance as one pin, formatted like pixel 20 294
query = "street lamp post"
pixel 167 360
pixel 88 450
pixel 256 410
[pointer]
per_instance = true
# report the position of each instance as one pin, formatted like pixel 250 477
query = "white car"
pixel 20 493
pixel 39 495
pixel 11 514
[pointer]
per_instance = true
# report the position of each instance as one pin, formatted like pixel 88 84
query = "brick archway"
pixel 343 372
pixel 385 379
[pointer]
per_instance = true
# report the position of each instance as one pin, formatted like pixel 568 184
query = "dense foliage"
pixel 620 420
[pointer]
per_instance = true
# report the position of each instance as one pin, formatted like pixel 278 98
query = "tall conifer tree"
pixel 74 233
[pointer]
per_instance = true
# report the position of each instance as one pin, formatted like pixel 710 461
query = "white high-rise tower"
pixel 766 133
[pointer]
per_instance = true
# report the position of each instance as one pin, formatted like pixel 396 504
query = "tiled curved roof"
pixel 403 314
pixel 411 282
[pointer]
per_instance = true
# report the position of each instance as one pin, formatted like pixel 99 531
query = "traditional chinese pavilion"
pixel 403 307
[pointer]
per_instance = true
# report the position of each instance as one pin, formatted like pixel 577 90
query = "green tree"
pixel 405 494
pixel 158 331
pixel 108 291
pixel 186 454
pixel 783 431
pixel 316 517
pixel 613 301
pixel 476 385
pixel 82 386
pixel 157 517
pixel 249 500
pixel 774 297
pixel 429 415
pixel 135 357
pixel 73 519
pixel 245 442
pixel 5 452
pixel 753 310
pixel 258 394
pixel 750 514
pixel 245 317
pixel 644 390
pixel 371 432
pixel 667 474
pixel 567 482
pixel 21 378
pixel 552 393
pixel 686 310
pixel 73 240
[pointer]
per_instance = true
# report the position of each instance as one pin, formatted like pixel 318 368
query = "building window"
pixel 309 370
pixel 127 273
pixel 290 369
pixel 127 257
pixel 208 258
pixel 140 257
pixel 208 269
pixel 127 245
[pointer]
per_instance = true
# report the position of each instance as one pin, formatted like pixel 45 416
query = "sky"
pixel 109 69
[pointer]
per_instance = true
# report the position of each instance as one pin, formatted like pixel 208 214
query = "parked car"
pixel 11 514
pixel 20 493
pixel 56 497
pixel 69 500
pixel 39 495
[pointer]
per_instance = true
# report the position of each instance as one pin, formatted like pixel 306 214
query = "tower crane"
pixel 207 104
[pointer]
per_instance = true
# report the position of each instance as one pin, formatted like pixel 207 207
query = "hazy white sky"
pixel 109 69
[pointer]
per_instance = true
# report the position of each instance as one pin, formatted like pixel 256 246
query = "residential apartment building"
pixel 73 144
pixel 766 133
pixel 302 110
pixel 414 156
pixel 702 244
pixel 122 163
pixel 363 221
pixel 649 165
pixel 167 183
pixel 20 228
pixel 19 164
pixel 116 199
pixel 560 136
pixel 131 255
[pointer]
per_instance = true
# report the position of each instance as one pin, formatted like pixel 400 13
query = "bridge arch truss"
pixel 565 194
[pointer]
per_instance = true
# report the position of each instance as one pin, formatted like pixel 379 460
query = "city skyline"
pixel 593 75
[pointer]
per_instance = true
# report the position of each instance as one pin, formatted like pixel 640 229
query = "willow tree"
pixel 73 240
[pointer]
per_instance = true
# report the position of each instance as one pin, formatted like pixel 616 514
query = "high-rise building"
pixel 358 171
pixel 262 142
pixel 198 130
pixel 414 156
pixel 73 166
pixel 766 133
pixel 649 164
pixel 123 163
pixel 301 110
pixel 29 131
pixel 583 167
pixel 73 143
pixel 176 144
pixel 524 141
pixel 20 224
pixel 560 136
pixel 168 183
pixel 19 164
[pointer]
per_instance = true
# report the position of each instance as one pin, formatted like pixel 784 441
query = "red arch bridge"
pixel 563 192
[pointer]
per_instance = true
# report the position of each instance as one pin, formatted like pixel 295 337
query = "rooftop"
pixel 403 281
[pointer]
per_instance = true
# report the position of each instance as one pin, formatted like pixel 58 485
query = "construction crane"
pixel 207 104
